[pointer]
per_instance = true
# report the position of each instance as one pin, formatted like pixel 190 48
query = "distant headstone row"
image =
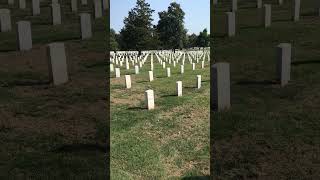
pixel 123 59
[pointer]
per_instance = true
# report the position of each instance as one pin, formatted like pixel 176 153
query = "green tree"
pixel 203 39
pixel 137 33
pixel 171 27
pixel 192 40
pixel 114 45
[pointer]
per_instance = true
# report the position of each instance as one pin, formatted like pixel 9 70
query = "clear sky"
pixel 197 13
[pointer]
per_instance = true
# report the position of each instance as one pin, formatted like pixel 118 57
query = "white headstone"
pixel 128 81
pixel 231 23
pixel 149 96
pixel 267 15
pixel 35 7
pixel 283 63
pixel 58 71
pixel 220 96
pixel 74 5
pixel 97 8
pixel 296 16
pixel 198 81
pixel 168 72
pixel 22 4
pixel 117 72
pixel 181 69
pixel 136 69
pixel 56 14
pixel 150 76
pixel 24 35
pixel 179 88
pixel 5 20
pixel 85 25
pixel 111 68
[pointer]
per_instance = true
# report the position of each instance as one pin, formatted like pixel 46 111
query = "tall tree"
pixel 171 27
pixel 137 33
pixel 203 39
pixel 114 46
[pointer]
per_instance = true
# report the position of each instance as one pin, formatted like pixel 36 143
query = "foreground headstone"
pixel 35 7
pixel 24 35
pixel 283 63
pixel 149 96
pixel 56 14
pixel 86 27
pixel 198 81
pixel 5 20
pixel 150 76
pixel 220 75
pixel 97 8
pixel 179 88
pixel 267 15
pixel 296 15
pixel 58 71
pixel 231 23
pixel 128 81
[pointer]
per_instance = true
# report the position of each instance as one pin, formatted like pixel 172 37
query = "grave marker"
pixel 283 62
pixel 5 20
pixel 57 62
pixel 149 96
pixel 220 75
pixel 24 37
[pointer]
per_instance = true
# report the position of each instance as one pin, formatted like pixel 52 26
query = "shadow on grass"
pixel 26 83
pixel 297 63
pixel 137 108
pixel 282 20
pixel 80 147
pixel 170 95
pixel 196 178
pixel 190 87
pixel 251 27
pixel 262 82
pixel 144 81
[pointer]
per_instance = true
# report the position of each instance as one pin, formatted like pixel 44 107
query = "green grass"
pixel 46 131
pixel 270 132
pixel 169 142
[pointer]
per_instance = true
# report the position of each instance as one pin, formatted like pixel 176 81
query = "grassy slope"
pixel 270 132
pixel 48 131
pixel 169 142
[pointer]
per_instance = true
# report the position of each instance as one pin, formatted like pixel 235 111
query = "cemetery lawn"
pixel 270 132
pixel 51 131
pixel 169 142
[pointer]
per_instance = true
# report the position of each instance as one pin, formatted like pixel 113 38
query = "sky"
pixel 197 13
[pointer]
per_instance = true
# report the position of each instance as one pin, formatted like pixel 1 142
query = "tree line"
pixel 139 33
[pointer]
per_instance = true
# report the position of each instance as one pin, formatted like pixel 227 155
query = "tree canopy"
pixel 139 33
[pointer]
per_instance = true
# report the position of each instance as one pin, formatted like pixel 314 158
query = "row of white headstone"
pixel 24 33
pixel 99 5
pixel 267 15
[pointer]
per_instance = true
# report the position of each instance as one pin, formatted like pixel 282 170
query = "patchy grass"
pixel 170 142
pixel 46 131
pixel 270 132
